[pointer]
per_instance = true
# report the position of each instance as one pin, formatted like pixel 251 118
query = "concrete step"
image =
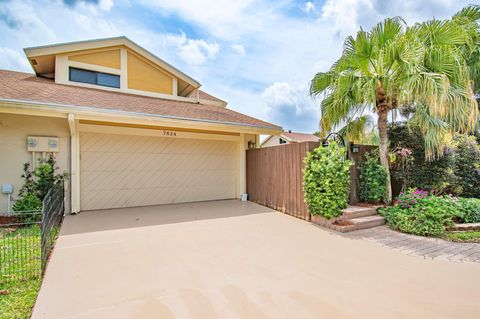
pixel 358 223
pixel 465 227
pixel 352 212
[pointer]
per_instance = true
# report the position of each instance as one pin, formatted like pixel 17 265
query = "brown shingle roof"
pixel 300 137
pixel 28 87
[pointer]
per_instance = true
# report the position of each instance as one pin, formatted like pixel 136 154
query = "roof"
pixel 26 87
pixel 299 137
pixel 295 137
pixel 58 48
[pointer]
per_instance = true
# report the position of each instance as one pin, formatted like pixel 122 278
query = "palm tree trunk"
pixel 383 134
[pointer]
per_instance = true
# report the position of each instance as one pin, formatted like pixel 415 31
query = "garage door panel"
pixel 125 171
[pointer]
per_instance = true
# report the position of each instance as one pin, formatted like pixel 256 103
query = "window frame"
pixel 96 75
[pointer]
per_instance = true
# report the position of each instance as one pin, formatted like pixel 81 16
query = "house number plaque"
pixel 169 133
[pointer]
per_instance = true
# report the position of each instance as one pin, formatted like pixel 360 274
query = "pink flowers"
pixel 404 152
pixel 411 197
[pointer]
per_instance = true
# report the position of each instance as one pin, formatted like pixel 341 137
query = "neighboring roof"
pixel 294 137
pixel 102 43
pixel 299 137
pixel 27 87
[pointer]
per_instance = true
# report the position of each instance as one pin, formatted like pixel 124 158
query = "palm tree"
pixel 391 67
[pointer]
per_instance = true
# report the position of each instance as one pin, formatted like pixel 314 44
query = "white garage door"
pixel 128 171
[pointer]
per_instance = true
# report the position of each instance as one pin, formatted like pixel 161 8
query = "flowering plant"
pixel 411 197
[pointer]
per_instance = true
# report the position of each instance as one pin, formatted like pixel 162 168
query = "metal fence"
pixel 27 238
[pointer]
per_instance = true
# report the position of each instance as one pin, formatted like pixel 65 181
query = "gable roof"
pixel 59 48
pixel 299 137
pixel 292 137
pixel 27 88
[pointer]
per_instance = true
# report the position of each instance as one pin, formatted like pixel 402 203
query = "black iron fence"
pixel 27 238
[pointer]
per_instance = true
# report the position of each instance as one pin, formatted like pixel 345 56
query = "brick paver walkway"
pixel 434 248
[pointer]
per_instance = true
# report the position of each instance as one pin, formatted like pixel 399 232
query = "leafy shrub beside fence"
pixel 327 180
pixel 372 179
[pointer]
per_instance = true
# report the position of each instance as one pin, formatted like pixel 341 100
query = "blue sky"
pixel 257 55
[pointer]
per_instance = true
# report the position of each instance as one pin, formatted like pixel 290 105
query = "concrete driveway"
pixel 228 259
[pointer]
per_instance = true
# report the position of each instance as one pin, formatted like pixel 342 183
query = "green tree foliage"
pixel 327 180
pixel 435 175
pixel 428 67
pixel 373 179
pixel 457 172
pixel 466 155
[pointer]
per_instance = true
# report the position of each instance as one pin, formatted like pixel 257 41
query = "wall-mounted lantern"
pixel 354 148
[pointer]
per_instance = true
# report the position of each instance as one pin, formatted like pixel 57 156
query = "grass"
pixel 17 298
pixel 20 271
pixel 464 236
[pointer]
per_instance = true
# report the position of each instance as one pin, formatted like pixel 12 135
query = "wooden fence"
pixel 275 176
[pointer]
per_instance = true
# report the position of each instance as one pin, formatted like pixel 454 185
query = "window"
pixel 93 77
pixel 282 141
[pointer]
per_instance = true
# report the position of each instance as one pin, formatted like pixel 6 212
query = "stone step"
pixel 465 227
pixel 358 223
pixel 352 212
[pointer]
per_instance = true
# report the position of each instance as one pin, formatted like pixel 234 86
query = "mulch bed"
pixel 5 220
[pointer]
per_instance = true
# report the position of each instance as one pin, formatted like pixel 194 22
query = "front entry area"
pixel 119 170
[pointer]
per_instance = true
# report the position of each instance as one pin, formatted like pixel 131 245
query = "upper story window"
pixel 93 77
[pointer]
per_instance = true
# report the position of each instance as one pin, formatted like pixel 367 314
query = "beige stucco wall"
pixel 14 130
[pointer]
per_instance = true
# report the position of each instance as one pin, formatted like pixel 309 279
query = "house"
pixel 289 137
pixel 129 128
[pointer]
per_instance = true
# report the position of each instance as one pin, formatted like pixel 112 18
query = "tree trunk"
pixel 383 134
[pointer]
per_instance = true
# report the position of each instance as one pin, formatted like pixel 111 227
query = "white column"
pixel 74 164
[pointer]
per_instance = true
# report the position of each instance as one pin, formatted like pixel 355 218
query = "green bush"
pixel 469 210
pixel 429 216
pixel 327 180
pixel 35 187
pixel 27 206
pixel 467 165
pixel 457 172
pixel 435 175
pixel 373 179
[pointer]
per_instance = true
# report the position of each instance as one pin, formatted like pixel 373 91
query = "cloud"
pixel 291 107
pixel 13 60
pixel 309 7
pixel 105 5
pixel 193 51
pixel 238 49
pixel 348 15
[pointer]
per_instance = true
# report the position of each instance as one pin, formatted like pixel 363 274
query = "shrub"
pixel 469 209
pixel 428 215
pixel 27 206
pixel 327 180
pixel 35 187
pixel 467 165
pixel 457 172
pixel 373 179
pixel 435 175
